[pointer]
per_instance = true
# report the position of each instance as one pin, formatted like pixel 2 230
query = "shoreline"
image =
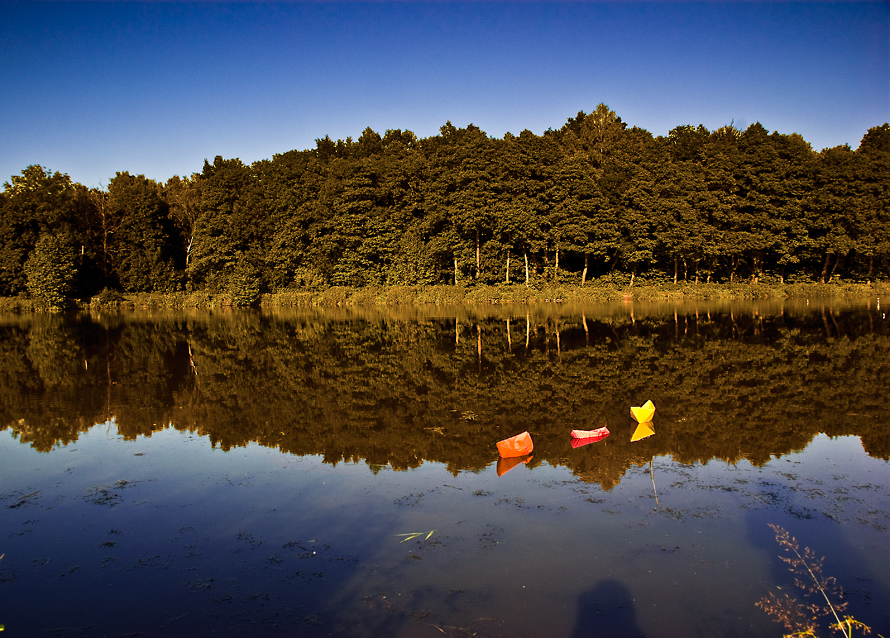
pixel 468 295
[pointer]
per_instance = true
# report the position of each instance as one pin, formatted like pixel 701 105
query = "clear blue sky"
pixel 90 89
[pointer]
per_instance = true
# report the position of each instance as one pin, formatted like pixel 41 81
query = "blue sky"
pixel 92 88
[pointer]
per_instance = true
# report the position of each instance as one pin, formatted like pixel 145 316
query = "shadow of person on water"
pixel 607 610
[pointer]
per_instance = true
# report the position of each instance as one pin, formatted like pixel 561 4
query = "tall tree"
pixel 293 183
pixel 720 159
pixel 835 205
pixel 627 181
pixel 228 229
pixel 582 220
pixel 183 196
pixel 143 247
pixel 462 196
pixel 600 133
pixel 35 203
pixel 792 169
pixel 873 238
pixel 401 196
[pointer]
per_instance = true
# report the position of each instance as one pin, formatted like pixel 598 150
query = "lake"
pixel 334 471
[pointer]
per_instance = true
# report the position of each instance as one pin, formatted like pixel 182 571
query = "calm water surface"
pixel 335 473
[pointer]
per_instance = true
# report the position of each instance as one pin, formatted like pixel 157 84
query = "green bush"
pixel 334 296
pixel 51 271
pixel 108 298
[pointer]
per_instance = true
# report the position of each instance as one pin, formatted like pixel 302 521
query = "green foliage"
pixel 51 270
pixel 411 264
pixel 142 249
pixel 228 226
pixel 107 298
pixel 34 204
pixel 244 285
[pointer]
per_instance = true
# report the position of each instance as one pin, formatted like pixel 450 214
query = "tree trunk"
pixel 527 330
pixel 834 268
pixel 676 267
pixel 584 272
pixel 508 269
pixel 455 270
pixel 479 345
pixel 525 254
pixel 825 267
pixel 556 267
pixel 477 253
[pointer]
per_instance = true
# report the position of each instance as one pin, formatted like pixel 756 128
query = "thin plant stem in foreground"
pixel 802 619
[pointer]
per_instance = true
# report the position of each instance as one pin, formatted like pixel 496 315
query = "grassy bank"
pixel 563 293
pixel 443 295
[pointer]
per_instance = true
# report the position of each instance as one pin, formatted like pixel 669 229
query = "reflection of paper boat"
pixel 583 442
pixel 518 445
pixel 643 430
pixel 505 465
pixel 643 413
pixel 599 433
pixel 586 437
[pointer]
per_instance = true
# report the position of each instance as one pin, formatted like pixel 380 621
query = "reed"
pixel 823 595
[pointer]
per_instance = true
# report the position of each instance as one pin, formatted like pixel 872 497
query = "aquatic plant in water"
pixel 803 618
pixel 412 535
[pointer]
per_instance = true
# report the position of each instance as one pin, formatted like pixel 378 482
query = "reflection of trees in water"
pixel 745 383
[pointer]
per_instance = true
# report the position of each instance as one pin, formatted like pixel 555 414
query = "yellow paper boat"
pixel 643 413
pixel 643 430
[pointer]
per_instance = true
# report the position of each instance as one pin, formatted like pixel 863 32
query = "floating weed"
pixel 24 500
pixel 412 535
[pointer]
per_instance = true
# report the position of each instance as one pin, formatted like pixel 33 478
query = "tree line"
pixel 595 198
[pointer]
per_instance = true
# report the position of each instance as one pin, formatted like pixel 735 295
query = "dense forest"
pixel 390 390
pixel 593 199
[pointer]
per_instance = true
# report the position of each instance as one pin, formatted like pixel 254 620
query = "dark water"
pixel 335 472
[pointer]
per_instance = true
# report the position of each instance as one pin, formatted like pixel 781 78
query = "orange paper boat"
pixel 643 413
pixel 518 445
